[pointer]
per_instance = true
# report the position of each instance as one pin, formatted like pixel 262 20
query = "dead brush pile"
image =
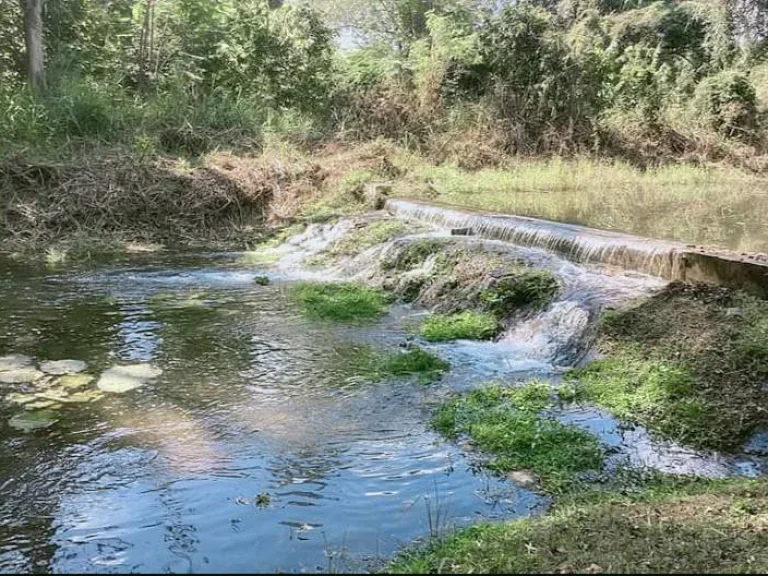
pixel 117 195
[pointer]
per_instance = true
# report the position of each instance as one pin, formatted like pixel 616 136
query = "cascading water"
pixel 577 243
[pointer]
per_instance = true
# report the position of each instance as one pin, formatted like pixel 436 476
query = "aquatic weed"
pixel 468 325
pixel 339 302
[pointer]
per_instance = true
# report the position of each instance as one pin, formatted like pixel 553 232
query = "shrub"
pixel 727 102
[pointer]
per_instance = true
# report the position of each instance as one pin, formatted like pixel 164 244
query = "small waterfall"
pixel 577 243
pixel 557 335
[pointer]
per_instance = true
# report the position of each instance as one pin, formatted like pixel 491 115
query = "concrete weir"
pixel 666 259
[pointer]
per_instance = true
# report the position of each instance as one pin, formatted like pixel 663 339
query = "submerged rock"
pixel 120 379
pixel 14 362
pixel 75 381
pixel 20 375
pixel 523 478
pixel 42 403
pixel 18 398
pixel 59 367
pixel 31 421
pixel 86 396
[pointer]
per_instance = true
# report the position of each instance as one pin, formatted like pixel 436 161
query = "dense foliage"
pixel 448 76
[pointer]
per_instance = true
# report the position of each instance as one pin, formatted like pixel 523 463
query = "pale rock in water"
pixel 14 362
pixel 75 381
pixel 119 379
pixel 86 396
pixel 18 398
pixel 31 421
pixel 59 367
pixel 20 375
pixel 43 403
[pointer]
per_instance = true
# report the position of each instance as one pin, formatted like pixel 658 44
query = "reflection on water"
pixel 253 400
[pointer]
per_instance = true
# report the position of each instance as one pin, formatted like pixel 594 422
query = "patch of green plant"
pixel 264 254
pixel 413 362
pixel 505 424
pixel 412 255
pixel 339 302
pixel 468 325
pixel 368 236
pixel 659 394
pixel 688 363
pixel 522 287
pixel 687 526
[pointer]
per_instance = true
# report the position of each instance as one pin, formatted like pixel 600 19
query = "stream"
pixel 259 448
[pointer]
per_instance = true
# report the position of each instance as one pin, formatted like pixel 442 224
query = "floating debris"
pixel 75 381
pixel 261 280
pixel 20 375
pixel 59 367
pixel 31 421
pixel 14 362
pixel 120 379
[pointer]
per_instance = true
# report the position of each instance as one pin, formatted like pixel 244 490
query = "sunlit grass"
pixel 686 527
pixel 377 365
pixel 505 425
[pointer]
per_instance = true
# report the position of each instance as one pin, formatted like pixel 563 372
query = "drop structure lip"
pixel 666 259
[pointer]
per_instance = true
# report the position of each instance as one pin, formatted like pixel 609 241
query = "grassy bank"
pixel 689 363
pixel 699 527
pixel 117 193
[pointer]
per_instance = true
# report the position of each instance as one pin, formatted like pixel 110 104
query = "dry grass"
pixel 165 200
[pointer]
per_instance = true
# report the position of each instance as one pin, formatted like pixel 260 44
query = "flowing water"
pixel 657 257
pixel 259 449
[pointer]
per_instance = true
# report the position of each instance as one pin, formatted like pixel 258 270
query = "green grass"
pixel 693 204
pixel 694 527
pixel 520 287
pixel 689 363
pixel 658 394
pixel 505 424
pixel 468 325
pixel 413 362
pixel 339 302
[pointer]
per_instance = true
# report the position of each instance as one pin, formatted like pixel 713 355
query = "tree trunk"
pixel 33 37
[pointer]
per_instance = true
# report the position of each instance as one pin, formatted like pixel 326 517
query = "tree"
pixel 399 22
pixel 33 38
